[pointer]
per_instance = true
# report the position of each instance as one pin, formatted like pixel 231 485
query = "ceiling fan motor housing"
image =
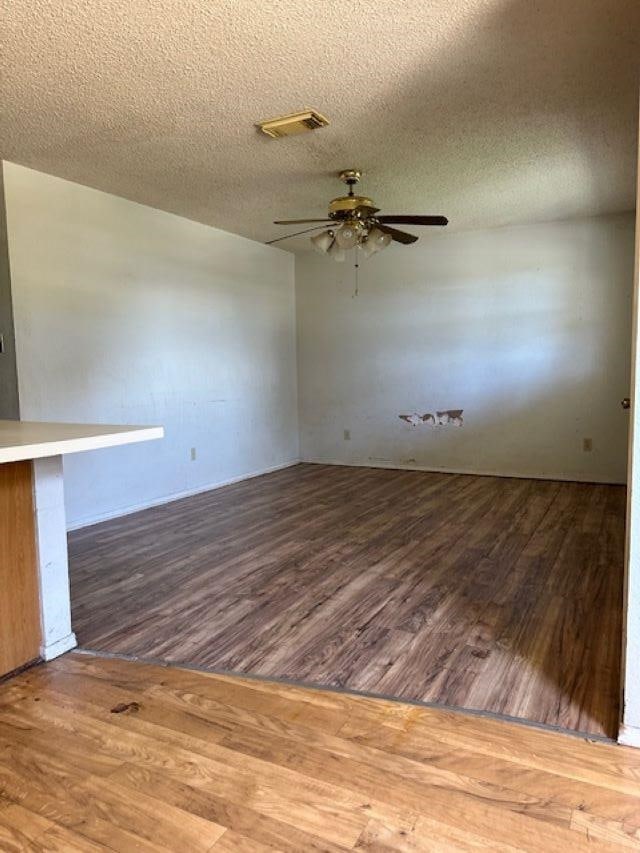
pixel 351 207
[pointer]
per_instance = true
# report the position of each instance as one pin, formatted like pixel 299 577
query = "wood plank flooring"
pixel 107 754
pixel 487 593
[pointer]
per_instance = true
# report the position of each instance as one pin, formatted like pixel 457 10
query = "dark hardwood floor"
pixel 488 593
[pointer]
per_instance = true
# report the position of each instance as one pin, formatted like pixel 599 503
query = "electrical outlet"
pixel 193 454
pixel 347 435
pixel 587 445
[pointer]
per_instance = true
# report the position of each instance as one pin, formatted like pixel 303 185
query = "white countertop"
pixel 34 439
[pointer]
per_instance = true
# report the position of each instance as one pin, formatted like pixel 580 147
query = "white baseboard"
pixel 209 487
pixel 518 475
pixel 176 496
pixel 629 736
pixel 54 650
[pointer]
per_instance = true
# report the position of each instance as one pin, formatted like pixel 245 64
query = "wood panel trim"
pixel 20 628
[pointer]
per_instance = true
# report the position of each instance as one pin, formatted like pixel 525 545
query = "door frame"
pixel 629 731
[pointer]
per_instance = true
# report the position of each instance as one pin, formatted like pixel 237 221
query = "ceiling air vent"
pixel 292 124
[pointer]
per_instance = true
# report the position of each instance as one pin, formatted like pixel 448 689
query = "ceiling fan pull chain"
pixel 357 267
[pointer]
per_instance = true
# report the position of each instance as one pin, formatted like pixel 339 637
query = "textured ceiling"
pixel 489 111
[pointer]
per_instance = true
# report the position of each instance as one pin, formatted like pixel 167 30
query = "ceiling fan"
pixel 355 223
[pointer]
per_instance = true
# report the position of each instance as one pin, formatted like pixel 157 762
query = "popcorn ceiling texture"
pixel 489 111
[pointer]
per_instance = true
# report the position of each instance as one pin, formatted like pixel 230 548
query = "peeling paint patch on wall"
pixel 447 416
pixel 413 419
pixel 450 416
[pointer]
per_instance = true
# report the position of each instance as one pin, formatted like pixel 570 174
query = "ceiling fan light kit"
pixel 322 242
pixel 349 234
pixel 376 241
pixel 353 222
pixel 335 252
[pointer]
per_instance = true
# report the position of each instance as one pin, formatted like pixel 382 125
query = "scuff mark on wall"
pixel 447 416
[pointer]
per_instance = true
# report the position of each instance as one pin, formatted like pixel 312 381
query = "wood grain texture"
pixel 20 631
pixel 489 593
pixel 208 762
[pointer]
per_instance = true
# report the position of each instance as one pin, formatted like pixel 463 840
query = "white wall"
pixel 9 406
pixel 527 329
pixel 125 314
pixel 630 699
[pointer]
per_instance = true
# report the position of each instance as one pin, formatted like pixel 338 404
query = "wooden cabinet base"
pixel 20 629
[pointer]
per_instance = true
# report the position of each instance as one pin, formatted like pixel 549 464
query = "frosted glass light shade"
pixel 336 252
pixel 322 242
pixel 380 238
pixel 368 248
pixel 375 242
pixel 348 236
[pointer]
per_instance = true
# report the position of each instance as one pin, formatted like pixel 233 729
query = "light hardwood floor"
pixel 481 592
pixel 109 754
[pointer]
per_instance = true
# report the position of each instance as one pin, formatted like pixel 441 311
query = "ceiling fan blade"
pixel 296 234
pixel 415 220
pixel 398 236
pixel 298 221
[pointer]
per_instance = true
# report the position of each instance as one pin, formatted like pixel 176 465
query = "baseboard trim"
pixel 54 650
pixel 629 736
pixel 432 469
pixel 394 466
pixel 176 496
